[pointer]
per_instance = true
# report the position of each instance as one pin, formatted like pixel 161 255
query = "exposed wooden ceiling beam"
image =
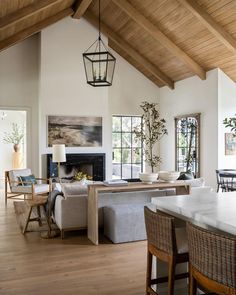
pixel 221 34
pixel 25 12
pixel 160 37
pixel 81 7
pixel 130 51
pixel 20 36
pixel 129 59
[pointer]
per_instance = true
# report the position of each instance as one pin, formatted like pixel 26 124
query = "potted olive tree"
pixel 152 129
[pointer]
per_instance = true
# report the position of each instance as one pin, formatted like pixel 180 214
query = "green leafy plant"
pixel 15 136
pixel 231 123
pixel 151 131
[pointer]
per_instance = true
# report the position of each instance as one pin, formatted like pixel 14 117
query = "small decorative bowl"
pixel 169 176
pixel 148 177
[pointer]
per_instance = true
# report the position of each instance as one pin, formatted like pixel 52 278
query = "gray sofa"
pixel 70 212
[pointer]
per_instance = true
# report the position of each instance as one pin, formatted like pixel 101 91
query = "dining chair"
pixel 212 261
pixel 227 180
pixel 221 180
pixel 168 244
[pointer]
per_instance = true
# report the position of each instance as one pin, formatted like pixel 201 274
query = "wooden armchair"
pixel 15 188
pixel 37 192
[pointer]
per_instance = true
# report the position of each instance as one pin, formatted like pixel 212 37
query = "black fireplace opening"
pixel 90 164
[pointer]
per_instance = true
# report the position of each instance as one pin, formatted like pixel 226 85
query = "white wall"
pixel 19 89
pixel 227 108
pixel 130 87
pixel 192 95
pixel 64 91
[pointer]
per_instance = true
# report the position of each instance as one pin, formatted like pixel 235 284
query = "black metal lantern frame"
pixel 99 63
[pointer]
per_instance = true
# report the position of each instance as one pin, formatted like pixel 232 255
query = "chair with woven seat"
pixel 168 244
pixel 212 261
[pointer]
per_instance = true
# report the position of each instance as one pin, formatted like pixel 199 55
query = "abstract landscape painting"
pixel 75 131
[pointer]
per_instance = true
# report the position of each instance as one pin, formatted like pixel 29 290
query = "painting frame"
pixel 74 131
pixel 230 144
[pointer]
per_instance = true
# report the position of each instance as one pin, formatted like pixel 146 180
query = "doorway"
pixel 13 140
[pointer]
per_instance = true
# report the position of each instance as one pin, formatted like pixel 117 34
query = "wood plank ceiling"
pixel 167 40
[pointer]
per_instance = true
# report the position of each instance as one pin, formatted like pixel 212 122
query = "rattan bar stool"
pixel 212 261
pixel 167 244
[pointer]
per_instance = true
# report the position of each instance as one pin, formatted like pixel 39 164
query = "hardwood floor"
pixel 32 265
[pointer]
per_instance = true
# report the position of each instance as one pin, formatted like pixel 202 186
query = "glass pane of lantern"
pixel 88 69
pixel 110 71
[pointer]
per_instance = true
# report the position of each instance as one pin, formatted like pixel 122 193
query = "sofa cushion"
pixel 196 182
pixel 38 188
pixel 75 188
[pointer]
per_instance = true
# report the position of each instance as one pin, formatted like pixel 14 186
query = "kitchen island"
pixel 214 211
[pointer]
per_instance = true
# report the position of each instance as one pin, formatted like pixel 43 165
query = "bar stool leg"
pixel 192 284
pixel 149 271
pixel 171 276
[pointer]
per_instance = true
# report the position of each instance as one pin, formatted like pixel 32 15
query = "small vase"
pixel 16 148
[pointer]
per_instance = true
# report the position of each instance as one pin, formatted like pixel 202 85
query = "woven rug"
pixel 22 210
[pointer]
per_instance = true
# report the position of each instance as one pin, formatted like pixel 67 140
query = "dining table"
pixel 210 210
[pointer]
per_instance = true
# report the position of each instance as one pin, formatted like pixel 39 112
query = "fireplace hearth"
pixel 90 164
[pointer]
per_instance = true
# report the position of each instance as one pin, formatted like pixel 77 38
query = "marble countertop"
pixel 217 210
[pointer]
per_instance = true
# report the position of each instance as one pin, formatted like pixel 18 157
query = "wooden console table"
pixel 93 194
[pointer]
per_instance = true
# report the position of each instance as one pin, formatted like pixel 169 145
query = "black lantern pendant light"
pixel 99 63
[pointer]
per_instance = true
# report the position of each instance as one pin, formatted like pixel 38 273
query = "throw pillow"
pixel 19 181
pixel 185 176
pixel 27 180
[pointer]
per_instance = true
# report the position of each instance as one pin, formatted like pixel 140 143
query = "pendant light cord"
pixel 99 21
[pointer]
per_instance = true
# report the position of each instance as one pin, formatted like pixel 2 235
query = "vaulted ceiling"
pixel 167 40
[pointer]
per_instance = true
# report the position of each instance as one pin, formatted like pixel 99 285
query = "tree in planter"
pixel 15 136
pixel 151 131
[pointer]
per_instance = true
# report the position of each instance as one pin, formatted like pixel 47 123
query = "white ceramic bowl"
pixel 168 175
pixel 148 177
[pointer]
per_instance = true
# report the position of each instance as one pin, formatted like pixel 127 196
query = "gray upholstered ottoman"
pixel 124 222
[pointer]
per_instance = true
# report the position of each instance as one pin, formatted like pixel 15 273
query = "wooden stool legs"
pixel 27 221
pixel 38 218
pixel 149 272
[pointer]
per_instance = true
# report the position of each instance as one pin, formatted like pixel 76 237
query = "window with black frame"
pixel 187 149
pixel 127 151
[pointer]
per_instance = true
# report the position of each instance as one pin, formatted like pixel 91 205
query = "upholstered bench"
pixel 124 222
